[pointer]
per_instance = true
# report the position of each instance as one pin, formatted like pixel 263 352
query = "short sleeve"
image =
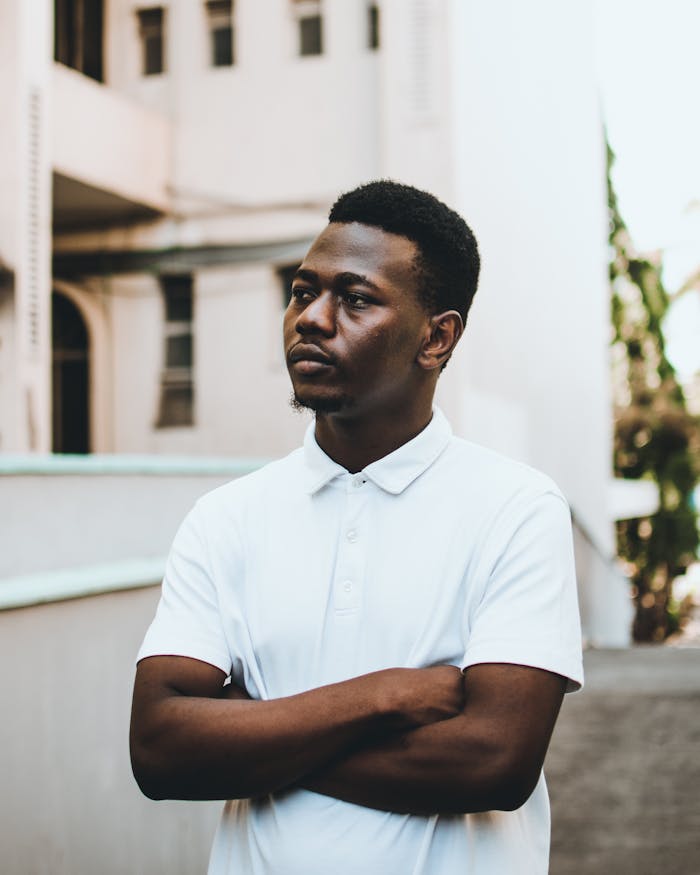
pixel 188 620
pixel 528 614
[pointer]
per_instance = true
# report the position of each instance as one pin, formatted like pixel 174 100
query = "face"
pixel 355 325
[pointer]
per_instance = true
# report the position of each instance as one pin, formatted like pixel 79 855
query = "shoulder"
pixel 479 471
pixel 274 480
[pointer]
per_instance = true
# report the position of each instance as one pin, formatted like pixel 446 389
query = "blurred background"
pixel 163 170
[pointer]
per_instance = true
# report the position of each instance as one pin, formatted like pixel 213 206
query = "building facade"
pixel 166 166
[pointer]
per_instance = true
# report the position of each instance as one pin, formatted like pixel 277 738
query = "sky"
pixel 649 79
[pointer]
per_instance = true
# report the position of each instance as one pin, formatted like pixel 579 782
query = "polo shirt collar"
pixel 394 472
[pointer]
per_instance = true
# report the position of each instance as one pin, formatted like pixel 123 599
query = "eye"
pixel 302 294
pixel 356 301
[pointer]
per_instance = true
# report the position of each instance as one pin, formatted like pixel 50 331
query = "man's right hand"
pixel 419 696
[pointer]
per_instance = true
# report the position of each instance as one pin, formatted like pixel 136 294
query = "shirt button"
pixel 357 482
pixel 347 585
pixel 352 536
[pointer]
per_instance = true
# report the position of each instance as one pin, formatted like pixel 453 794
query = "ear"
pixel 443 332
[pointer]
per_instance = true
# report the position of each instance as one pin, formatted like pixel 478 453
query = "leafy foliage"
pixel 656 438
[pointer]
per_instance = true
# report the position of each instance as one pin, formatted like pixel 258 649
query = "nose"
pixel 318 316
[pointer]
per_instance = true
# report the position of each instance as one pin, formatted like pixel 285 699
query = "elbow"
pixel 151 789
pixel 151 786
pixel 512 788
pixel 147 776
pixel 511 797
pixel 500 789
pixel 150 767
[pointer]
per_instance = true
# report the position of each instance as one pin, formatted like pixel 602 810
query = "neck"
pixel 357 441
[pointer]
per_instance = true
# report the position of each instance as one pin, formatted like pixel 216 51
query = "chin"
pixel 320 404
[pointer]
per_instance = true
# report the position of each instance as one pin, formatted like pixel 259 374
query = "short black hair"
pixel 448 256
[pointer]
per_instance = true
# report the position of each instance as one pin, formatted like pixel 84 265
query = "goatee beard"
pixel 318 405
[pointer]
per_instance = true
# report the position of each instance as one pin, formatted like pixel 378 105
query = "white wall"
pixel 274 127
pixel 531 177
pixel 137 320
pixel 69 803
pixel 416 84
pixel 25 219
pixel 105 140
pixel 9 185
pixel 241 385
pixel 10 91
pixel 9 140
pixel 65 521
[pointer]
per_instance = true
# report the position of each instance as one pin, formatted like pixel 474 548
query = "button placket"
pixel 351 550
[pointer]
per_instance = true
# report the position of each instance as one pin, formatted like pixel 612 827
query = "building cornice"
pixel 68 265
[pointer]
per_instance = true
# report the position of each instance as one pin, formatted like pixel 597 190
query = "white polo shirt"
pixel 302 574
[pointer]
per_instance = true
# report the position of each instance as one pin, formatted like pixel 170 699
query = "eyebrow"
pixel 309 275
pixel 346 278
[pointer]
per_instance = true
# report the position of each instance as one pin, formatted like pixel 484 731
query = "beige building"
pixel 164 166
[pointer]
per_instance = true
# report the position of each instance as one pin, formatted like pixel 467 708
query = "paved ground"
pixel 624 766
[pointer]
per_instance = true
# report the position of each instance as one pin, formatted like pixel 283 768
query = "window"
pixel 310 24
pixel 372 26
pixel 221 32
pixel 177 381
pixel 151 29
pixel 286 277
pixel 78 33
pixel 70 377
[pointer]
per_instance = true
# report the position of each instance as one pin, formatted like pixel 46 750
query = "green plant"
pixel 656 438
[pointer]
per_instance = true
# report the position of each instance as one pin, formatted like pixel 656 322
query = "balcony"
pixel 111 157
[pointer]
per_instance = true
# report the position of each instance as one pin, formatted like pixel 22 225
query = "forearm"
pixel 447 767
pixel 193 738
pixel 192 747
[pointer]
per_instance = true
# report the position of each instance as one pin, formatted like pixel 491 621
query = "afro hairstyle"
pixel 447 261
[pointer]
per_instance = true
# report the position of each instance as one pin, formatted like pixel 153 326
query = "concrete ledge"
pixel 127 154
pixel 74 583
pixel 54 463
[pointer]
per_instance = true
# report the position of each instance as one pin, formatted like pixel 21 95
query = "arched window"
pixel 70 377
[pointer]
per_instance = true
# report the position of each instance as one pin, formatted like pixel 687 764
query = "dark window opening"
pixel 78 36
pixel 373 26
pixel 177 379
pixel 176 403
pixel 286 275
pixel 222 47
pixel 177 290
pixel 178 351
pixel 221 32
pixel 70 378
pixel 151 30
pixel 310 35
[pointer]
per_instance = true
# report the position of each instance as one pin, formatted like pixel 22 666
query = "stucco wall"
pixel 69 804
pixel 127 153
pixel 53 522
pixel 241 386
pixel 531 177
pixel 274 126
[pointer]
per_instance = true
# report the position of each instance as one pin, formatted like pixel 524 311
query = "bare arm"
pixel 191 738
pixel 487 758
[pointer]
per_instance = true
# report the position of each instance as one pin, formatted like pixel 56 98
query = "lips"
pixel 304 352
pixel 309 361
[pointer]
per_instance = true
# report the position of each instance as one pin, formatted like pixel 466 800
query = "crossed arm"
pixel 417 741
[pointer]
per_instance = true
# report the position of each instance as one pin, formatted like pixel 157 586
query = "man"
pixel 395 607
